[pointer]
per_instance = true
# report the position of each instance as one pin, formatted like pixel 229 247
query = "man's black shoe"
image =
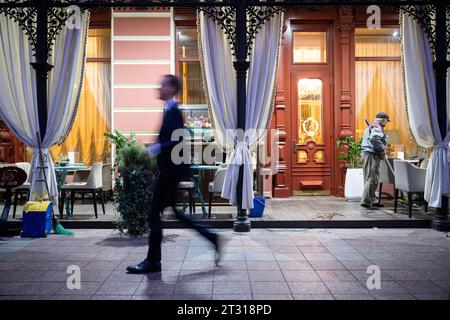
pixel 378 205
pixel 144 267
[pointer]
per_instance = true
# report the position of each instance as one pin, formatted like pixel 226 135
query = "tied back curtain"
pixel 18 97
pixel 220 80
pixel 420 84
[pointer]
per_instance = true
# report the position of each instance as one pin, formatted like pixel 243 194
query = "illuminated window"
pixel 189 69
pixel 310 47
pixel 310 96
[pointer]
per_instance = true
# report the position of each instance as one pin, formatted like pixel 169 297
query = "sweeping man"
pixel 373 149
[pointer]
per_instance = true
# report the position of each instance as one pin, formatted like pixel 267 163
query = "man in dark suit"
pixel 170 174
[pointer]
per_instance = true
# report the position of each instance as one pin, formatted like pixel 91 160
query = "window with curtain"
pixel 379 85
pixel 93 118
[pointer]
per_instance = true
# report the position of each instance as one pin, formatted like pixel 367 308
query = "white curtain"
pixel 18 99
pixel 420 85
pixel 220 79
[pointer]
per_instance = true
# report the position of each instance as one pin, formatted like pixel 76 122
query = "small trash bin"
pixel 37 219
pixel 259 204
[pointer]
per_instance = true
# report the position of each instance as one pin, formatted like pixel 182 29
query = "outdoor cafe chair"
pixel 216 186
pixel 410 179
pixel 23 189
pixel 93 185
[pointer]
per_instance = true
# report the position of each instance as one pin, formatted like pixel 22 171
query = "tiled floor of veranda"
pixel 287 209
pixel 262 264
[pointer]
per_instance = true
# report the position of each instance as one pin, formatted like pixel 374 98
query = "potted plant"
pixel 349 151
pixel 132 192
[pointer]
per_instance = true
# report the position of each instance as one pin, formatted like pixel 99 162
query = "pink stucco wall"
pixel 142 27
pixel 139 74
pixel 139 63
pixel 141 50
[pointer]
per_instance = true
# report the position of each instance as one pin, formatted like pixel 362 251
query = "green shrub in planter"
pixel 133 186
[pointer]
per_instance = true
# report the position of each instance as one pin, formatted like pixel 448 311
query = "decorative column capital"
pixel 241 66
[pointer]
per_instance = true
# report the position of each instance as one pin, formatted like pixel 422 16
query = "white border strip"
pixel 142 14
pixel 142 38
pixel 134 110
pixel 150 62
pixel 136 86
pixel 172 44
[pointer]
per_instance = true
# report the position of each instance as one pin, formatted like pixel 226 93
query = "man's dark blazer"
pixel 172 121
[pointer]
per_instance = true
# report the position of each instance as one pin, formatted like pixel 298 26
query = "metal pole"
pixel 41 65
pixel 241 65
pixel 440 221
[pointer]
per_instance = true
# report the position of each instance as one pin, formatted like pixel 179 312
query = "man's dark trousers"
pixel 165 195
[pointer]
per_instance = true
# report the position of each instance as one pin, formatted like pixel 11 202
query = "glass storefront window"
pixel 310 47
pixel 384 42
pixel 310 101
pixel 187 43
pixel 379 86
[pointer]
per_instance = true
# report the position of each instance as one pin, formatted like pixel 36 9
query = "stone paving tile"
pixel 110 297
pixel 95 276
pixel 289 257
pixel 379 296
pixel 196 275
pixel 118 288
pixel 197 265
pixel 259 256
pixel 86 288
pixel 390 265
pixel 125 276
pixel 192 297
pixel 422 287
pixel 405 275
pixel 264 297
pixel 308 288
pixel 156 288
pixel 20 276
pixel 301 276
pixel 335 275
pixel 11 265
pixel 42 288
pixel 263 265
pixel 313 297
pixel 232 275
pixel 432 296
pixel 266 275
pixel 232 287
pixel 193 288
pixel 151 297
pixel 361 296
pixel 326 265
pixel 12 288
pixel 269 288
pixel 294 265
pixel 101 265
pixel 232 265
pixel 237 297
pixel 345 287
pixel 169 276
pixel 319 257
pixel 313 249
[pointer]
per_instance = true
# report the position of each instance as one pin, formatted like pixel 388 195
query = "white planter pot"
pixel 354 184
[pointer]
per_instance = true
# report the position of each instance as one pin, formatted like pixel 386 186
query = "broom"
pixel 59 229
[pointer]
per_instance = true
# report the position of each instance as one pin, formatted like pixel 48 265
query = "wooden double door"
pixel 311 110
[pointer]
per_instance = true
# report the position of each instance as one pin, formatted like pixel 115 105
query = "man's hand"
pixel 154 149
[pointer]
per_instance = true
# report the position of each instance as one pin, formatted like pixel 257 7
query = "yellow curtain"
pixel 379 87
pixel 86 138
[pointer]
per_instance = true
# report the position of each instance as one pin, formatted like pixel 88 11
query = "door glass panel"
pixel 310 47
pixel 310 101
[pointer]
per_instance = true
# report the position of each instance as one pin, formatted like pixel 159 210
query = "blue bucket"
pixel 37 223
pixel 259 204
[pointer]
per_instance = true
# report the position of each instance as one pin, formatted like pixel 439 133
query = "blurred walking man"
pixel 170 174
pixel 373 150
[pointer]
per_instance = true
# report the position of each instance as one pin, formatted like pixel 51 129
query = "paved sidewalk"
pixel 263 264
